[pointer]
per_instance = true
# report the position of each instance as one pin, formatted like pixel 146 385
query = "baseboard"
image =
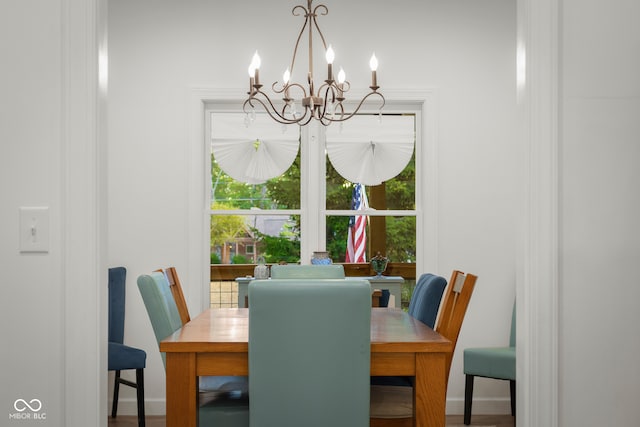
pixel 480 406
pixel 454 406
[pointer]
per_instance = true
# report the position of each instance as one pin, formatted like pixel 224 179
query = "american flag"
pixel 357 236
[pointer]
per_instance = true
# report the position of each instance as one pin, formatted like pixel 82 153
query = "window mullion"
pixel 312 221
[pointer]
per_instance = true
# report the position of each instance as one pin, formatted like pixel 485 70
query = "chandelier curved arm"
pixel 329 90
pixel 343 117
pixel 275 89
pixel 273 112
pixel 327 118
pixel 314 16
pixel 345 86
pixel 286 88
pixel 306 12
pixel 309 16
pixel 293 11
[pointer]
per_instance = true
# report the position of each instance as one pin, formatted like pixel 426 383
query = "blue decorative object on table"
pixel 321 258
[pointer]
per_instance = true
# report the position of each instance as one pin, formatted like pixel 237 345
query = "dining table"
pixel 216 342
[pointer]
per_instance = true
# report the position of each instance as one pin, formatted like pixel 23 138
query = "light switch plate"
pixel 34 229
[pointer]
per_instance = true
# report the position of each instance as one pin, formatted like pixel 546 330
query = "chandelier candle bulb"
pixel 341 78
pixel 285 81
pixel 251 79
pixel 373 63
pixel 255 63
pixel 330 57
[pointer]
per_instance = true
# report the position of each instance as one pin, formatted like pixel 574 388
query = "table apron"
pixel 222 364
pixel 392 364
pixel 382 364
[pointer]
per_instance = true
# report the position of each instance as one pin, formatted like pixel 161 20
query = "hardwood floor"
pixel 452 420
pixel 131 421
pixel 483 420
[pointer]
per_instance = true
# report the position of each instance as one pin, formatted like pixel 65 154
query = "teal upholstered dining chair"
pixel 491 362
pixel 223 400
pixel 309 353
pixel 122 357
pixel 295 271
pixel 424 305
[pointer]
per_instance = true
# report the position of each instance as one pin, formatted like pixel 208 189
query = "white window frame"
pixel 393 107
pixel 420 102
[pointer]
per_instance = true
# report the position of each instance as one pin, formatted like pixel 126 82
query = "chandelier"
pixel 323 103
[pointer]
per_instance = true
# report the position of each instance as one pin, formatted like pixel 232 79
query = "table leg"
pixel 182 398
pixel 430 390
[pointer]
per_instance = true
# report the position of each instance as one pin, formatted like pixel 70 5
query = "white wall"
pixel 30 173
pixel 464 50
pixel 599 380
pixel 53 303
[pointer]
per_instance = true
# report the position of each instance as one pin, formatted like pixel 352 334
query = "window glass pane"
pixel 241 239
pixel 278 193
pixel 337 231
pixel 242 152
pixel 401 238
pixel 398 192
pixel 399 233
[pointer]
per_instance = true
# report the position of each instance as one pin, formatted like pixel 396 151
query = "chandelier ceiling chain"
pixel 324 104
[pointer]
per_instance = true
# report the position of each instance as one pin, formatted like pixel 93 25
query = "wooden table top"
pixel 227 330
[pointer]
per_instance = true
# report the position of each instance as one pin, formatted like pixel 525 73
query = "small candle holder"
pixel 261 270
pixel 379 264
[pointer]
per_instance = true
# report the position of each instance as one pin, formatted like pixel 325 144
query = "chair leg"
pixel 140 395
pixel 139 386
pixel 512 387
pixel 116 390
pixel 468 398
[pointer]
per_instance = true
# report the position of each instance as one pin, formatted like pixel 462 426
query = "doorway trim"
pixel 537 289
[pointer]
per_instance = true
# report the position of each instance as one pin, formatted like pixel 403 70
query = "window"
pixel 264 212
pixel 377 148
pixel 307 206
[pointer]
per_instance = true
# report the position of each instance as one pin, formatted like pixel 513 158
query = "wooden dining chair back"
pixel 393 405
pixel 453 309
pixel 176 290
